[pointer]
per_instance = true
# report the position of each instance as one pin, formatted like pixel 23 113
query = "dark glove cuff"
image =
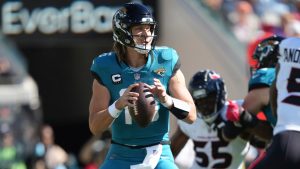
pixel 258 143
pixel 248 120
pixel 231 131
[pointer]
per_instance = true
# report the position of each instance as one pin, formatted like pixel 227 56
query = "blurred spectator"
pixel 20 108
pixel 11 153
pixel 295 8
pixel 48 154
pixel 261 7
pixel 245 23
pixel 56 157
pixel 215 10
pixel 93 152
pixel 293 28
pixel 6 72
pixel 5 67
pixel 214 5
pixel 286 20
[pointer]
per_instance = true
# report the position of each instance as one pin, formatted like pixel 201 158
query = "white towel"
pixel 151 159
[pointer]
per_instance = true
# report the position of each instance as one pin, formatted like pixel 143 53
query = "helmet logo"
pixel 214 76
pixel 123 12
pixel 265 51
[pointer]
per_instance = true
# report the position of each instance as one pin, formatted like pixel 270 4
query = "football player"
pixel 284 151
pixel 136 59
pixel 257 100
pixel 212 148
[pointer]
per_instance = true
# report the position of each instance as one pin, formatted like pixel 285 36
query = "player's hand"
pixel 127 98
pixel 159 91
pixel 233 111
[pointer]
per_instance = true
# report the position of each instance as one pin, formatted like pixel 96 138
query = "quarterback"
pixel 136 59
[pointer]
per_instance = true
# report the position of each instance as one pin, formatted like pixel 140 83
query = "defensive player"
pixel 284 151
pixel 134 59
pixel 212 149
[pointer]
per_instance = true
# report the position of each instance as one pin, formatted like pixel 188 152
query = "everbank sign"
pixel 79 17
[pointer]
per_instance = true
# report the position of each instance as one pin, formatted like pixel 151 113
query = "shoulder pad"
pixel 103 56
pixel 166 53
pixel 102 62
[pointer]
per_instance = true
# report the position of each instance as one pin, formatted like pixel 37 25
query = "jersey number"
pixel 202 158
pixel 128 118
pixel 293 86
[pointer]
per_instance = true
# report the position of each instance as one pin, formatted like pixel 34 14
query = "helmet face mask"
pixel 133 14
pixel 207 105
pixel 209 93
pixel 142 36
pixel 266 52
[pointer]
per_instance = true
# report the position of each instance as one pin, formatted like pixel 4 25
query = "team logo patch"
pixel 160 71
pixel 116 78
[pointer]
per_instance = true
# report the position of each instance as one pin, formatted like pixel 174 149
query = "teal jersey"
pixel 264 78
pixel 162 63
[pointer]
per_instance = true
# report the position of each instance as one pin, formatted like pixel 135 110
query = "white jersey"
pixel 211 151
pixel 288 86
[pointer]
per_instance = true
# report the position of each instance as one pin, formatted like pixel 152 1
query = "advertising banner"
pixel 60 22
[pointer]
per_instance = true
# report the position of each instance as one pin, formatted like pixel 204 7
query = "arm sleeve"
pixel 262 78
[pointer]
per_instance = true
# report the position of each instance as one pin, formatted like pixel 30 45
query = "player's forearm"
pixel 182 110
pixel 100 121
pixel 178 141
pixel 263 130
pixel 176 150
pixel 191 115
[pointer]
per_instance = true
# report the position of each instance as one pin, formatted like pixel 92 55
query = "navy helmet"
pixel 209 94
pixel 129 15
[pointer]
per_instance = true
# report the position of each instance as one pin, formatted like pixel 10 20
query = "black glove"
pixel 231 131
pixel 256 142
pixel 248 120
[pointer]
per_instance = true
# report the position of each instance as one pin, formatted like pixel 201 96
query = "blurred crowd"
pixel 46 154
pixel 249 19
pixel 27 143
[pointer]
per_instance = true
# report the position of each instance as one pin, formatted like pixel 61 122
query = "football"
pixel 143 110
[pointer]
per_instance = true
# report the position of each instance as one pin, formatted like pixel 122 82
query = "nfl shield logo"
pixel 137 76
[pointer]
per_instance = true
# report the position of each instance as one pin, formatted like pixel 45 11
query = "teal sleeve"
pixel 262 78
